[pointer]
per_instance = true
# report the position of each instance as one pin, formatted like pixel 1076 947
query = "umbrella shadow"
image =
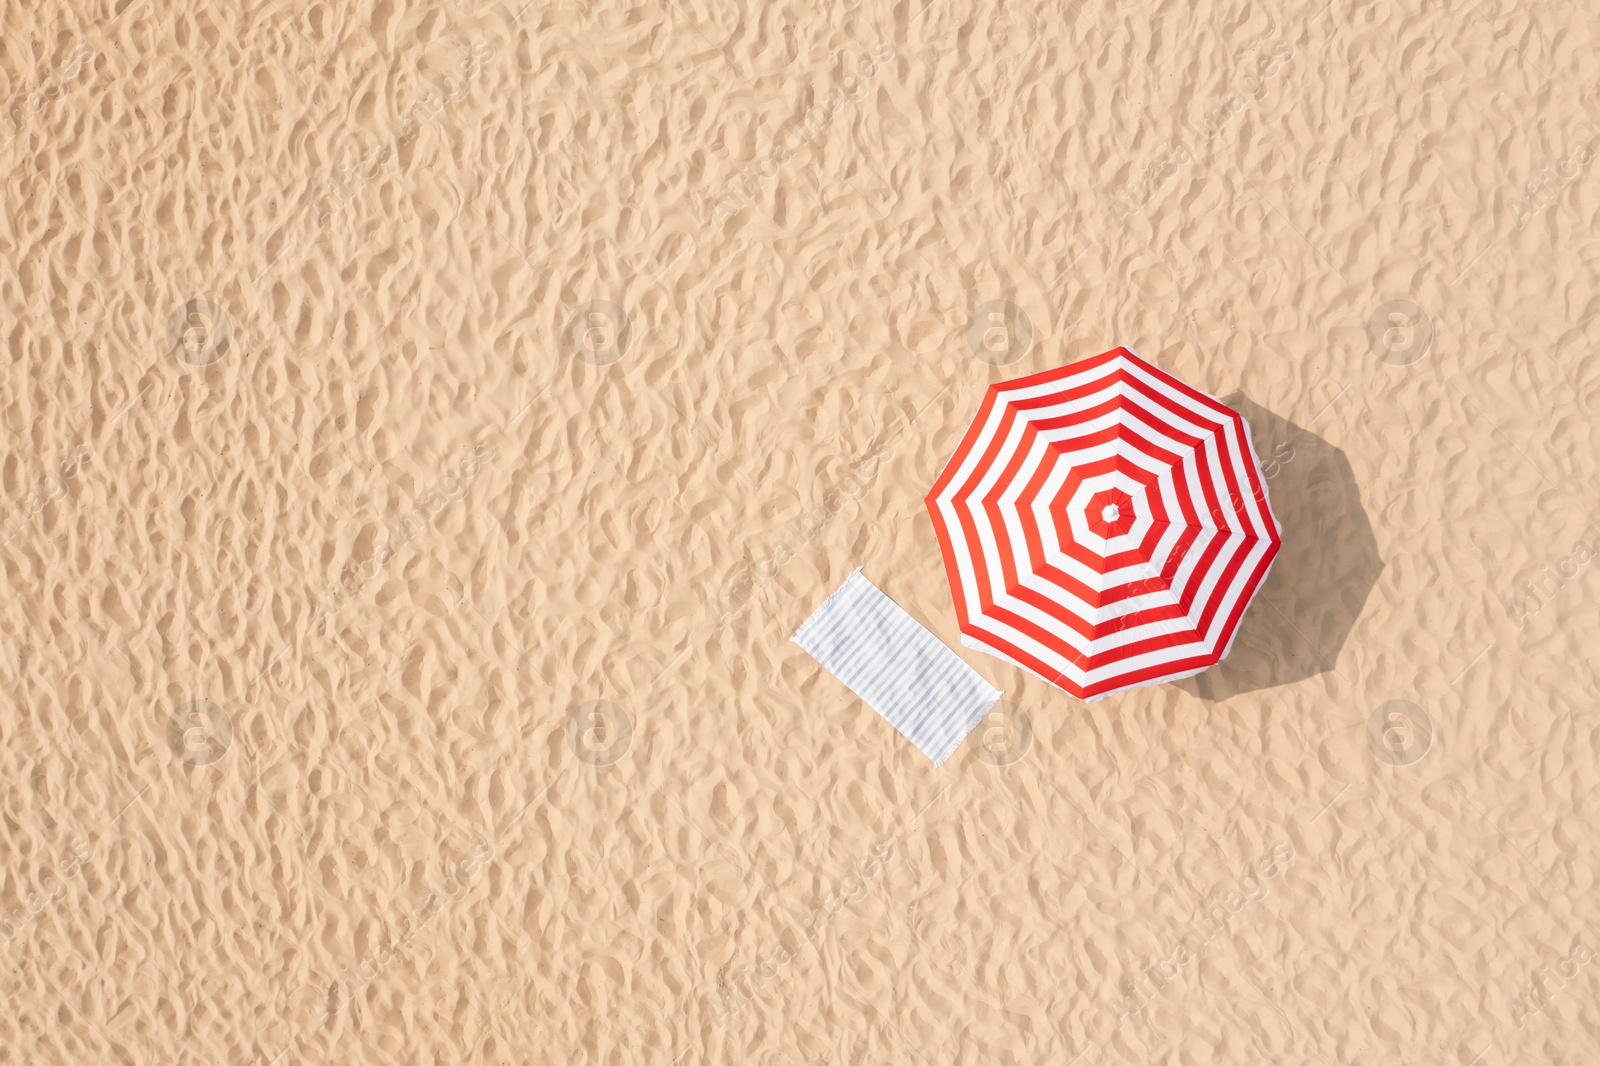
pixel 1326 568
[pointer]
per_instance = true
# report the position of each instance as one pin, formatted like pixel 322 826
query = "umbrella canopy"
pixel 1103 525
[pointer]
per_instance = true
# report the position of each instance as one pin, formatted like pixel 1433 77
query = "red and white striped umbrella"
pixel 1104 525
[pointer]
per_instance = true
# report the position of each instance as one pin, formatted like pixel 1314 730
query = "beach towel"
pixel 902 671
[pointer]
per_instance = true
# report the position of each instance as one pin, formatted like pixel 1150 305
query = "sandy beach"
pixel 426 425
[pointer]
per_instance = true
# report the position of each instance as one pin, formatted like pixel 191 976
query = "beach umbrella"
pixel 1104 525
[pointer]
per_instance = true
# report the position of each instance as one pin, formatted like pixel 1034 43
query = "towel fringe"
pixel 825 604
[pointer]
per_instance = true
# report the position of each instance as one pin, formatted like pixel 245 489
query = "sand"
pixel 426 424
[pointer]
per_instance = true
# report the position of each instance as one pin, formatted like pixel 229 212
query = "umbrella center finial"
pixel 1110 512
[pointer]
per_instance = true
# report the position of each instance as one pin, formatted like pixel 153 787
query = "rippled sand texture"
pixel 386 383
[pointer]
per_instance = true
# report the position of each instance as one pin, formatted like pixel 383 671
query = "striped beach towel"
pixel 901 670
